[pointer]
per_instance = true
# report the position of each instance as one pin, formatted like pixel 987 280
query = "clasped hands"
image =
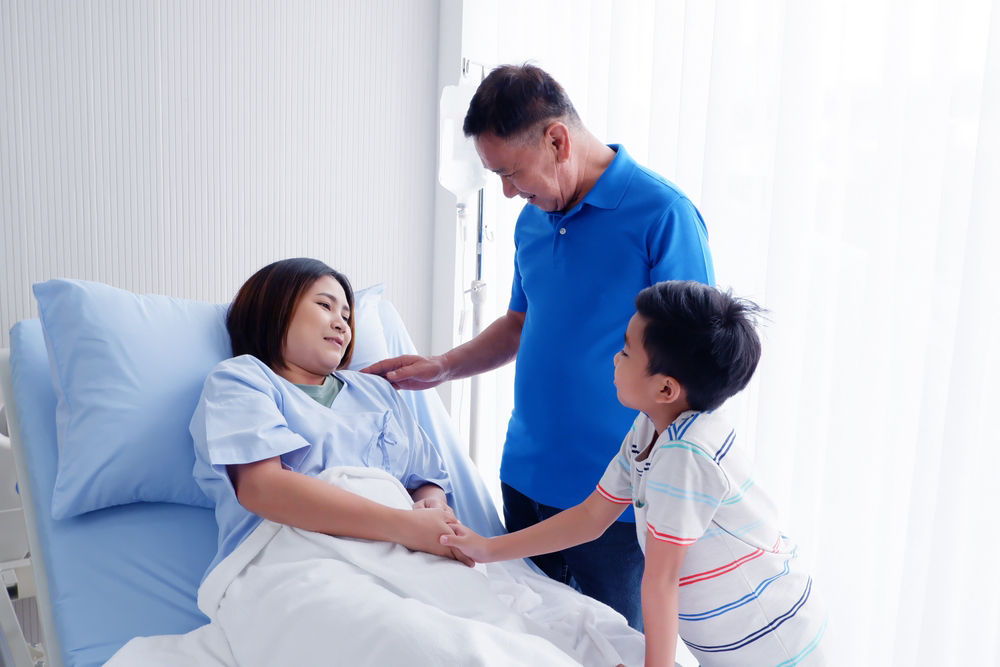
pixel 430 519
pixel 436 530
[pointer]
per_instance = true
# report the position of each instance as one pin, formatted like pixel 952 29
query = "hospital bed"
pixel 132 568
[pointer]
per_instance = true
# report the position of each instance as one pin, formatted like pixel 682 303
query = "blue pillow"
pixel 128 370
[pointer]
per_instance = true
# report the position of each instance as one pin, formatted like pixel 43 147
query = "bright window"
pixel 845 156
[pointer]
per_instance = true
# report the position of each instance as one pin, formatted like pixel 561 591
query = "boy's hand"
pixel 423 526
pixel 468 542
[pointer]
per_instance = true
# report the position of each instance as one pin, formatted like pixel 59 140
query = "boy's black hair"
pixel 513 99
pixel 259 316
pixel 702 337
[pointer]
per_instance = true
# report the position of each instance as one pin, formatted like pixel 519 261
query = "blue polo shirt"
pixel 576 276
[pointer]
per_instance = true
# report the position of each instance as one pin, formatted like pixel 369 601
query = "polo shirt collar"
pixel 610 186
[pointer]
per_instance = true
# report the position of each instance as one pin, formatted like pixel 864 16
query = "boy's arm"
pixel 659 600
pixel 576 525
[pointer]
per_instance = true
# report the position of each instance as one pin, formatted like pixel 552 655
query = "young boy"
pixel 718 570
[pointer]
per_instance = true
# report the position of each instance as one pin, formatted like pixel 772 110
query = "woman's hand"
pixel 431 496
pixel 469 543
pixel 422 528
pixel 434 502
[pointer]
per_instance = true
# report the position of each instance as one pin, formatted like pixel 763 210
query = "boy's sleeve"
pixel 684 489
pixel 616 483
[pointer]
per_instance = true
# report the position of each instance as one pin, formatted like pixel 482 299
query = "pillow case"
pixel 128 370
pixel 369 334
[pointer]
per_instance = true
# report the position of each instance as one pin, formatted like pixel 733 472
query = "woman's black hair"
pixel 259 316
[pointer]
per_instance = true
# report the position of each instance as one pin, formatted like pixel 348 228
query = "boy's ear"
pixel 671 390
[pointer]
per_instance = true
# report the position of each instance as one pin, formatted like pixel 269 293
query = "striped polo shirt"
pixel 742 597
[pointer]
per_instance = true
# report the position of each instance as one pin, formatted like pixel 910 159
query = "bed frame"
pixel 133 570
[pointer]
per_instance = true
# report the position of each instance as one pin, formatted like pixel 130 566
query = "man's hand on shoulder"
pixel 411 371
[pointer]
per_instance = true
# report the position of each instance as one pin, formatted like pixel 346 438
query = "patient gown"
pixel 248 413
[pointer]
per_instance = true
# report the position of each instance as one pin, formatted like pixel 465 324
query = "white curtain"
pixel 846 157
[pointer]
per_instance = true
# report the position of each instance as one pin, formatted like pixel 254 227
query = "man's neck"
pixel 594 159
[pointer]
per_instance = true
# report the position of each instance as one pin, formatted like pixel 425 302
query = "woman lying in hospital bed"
pixel 330 503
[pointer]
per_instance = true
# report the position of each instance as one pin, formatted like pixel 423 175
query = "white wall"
pixel 176 147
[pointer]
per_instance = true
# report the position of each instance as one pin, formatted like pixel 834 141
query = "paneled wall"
pixel 175 147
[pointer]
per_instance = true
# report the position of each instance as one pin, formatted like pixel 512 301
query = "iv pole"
pixel 461 172
pixel 478 295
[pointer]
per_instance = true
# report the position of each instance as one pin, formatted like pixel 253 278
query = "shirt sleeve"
pixel 684 489
pixel 518 301
pixel 678 246
pixel 238 419
pixel 616 482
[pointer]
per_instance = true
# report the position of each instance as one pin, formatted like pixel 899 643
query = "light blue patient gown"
pixel 248 413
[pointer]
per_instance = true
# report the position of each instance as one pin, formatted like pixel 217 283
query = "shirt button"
pixel 562 230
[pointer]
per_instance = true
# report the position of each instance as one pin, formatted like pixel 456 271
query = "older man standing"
pixel 597 228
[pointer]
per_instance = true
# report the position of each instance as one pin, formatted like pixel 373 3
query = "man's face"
pixel 527 169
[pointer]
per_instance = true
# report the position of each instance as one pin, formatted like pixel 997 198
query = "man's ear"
pixel 557 137
pixel 671 390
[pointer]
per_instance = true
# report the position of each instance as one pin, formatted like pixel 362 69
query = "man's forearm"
pixel 495 346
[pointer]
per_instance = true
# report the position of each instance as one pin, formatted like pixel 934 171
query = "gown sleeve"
pixel 239 419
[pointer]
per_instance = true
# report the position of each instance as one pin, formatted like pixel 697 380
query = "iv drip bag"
pixel 459 169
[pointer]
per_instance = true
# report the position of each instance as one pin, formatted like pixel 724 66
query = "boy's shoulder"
pixel 709 432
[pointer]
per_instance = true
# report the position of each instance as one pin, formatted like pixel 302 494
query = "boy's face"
pixel 637 389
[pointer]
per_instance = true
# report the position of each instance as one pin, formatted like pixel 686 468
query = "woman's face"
pixel 318 334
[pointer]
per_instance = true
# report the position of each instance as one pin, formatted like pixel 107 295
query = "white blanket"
pixel 292 597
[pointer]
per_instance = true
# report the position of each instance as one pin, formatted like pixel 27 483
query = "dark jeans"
pixel 608 569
